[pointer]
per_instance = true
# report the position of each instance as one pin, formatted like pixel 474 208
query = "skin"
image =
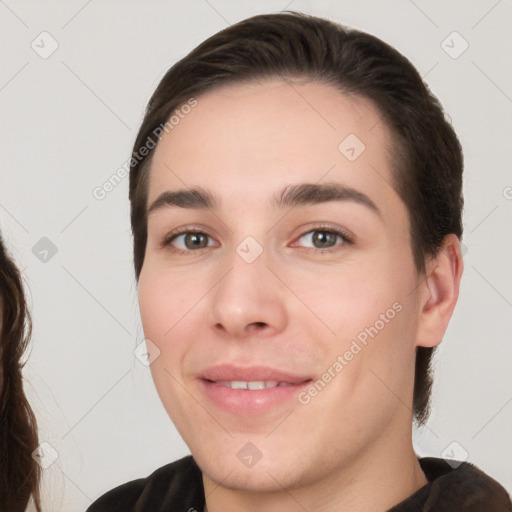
pixel 297 307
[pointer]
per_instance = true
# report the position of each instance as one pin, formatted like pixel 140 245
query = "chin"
pixel 260 478
pixel 270 473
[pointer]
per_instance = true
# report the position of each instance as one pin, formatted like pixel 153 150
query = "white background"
pixel 68 123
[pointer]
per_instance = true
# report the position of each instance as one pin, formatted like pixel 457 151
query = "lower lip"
pixel 244 401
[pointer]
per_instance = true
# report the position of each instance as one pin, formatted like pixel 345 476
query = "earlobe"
pixel 439 292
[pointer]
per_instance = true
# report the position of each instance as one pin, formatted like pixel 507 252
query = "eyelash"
pixel 346 239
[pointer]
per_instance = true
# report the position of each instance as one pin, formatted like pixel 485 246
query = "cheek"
pixel 173 310
pixel 161 309
pixel 372 318
pixel 154 308
pixel 347 298
pixel 164 300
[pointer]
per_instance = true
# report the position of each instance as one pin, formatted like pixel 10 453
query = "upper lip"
pixel 228 372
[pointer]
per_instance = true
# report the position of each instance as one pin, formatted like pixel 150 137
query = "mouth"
pixel 253 385
pixel 250 390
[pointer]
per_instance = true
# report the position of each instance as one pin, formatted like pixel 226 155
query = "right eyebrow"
pixel 193 198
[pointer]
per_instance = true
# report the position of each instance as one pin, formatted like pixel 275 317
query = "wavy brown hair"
pixel 19 472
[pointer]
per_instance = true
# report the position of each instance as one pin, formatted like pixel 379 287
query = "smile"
pixel 250 390
pixel 252 385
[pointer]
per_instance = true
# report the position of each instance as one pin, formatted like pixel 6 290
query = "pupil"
pixel 324 239
pixel 195 240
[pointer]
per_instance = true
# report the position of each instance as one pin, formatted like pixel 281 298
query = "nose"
pixel 248 300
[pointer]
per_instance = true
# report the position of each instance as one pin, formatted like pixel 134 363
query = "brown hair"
pixel 19 472
pixel 427 154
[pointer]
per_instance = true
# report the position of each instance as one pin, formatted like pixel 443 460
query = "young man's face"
pixel 321 296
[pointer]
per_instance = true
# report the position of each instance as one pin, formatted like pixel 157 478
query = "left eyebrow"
pixel 301 194
pixel 314 193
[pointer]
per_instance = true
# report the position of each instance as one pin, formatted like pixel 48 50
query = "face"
pixel 282 293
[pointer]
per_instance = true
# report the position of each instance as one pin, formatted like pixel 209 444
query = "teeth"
pixel 252 385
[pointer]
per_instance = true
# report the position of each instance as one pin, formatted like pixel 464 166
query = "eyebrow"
pixel 301 194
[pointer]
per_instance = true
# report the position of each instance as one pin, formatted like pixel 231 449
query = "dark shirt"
pixel 179 487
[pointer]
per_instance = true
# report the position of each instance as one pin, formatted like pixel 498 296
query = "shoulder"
pixel 462 486
pixel 178 484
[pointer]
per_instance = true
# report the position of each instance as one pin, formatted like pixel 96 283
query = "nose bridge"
pixel 245 296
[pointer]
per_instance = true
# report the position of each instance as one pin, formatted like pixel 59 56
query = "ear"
pixel 439 292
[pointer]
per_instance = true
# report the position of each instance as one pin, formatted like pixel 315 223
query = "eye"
pixel 317 240
pixel 324 239
pixel 187 241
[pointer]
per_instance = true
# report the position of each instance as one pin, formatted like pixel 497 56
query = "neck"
pixel 381 477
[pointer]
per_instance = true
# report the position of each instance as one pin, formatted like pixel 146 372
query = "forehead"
pixel 262 136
